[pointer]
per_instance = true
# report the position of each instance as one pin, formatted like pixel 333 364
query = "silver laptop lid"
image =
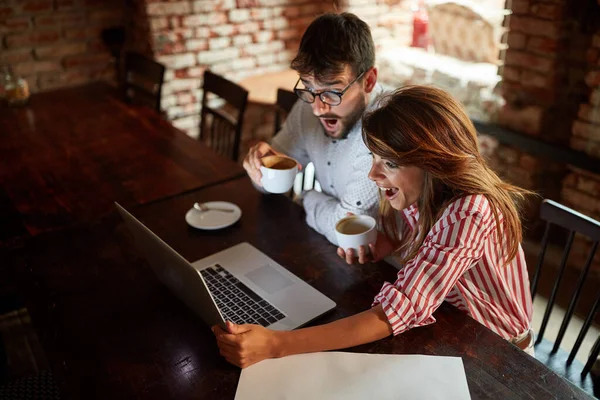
pixel 173 270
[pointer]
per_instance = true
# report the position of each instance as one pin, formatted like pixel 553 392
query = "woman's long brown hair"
pixel 425 127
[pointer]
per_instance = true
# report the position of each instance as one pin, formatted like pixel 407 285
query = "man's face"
pixel 338 120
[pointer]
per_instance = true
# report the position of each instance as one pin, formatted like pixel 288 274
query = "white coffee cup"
pixel 278 173
pixel 355 231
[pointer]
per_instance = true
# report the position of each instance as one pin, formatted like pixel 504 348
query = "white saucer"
pixel 211 220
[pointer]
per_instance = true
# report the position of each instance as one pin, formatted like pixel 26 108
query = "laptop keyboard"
pixel 237 302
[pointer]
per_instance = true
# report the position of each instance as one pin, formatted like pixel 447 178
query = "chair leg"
pixel 592 359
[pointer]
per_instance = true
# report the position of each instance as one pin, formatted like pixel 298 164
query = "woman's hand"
pixel 378 250
pixel 244 345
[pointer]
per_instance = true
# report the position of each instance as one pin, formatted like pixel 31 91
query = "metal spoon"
pixel 202 208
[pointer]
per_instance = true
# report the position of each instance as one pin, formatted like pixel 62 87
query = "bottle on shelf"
pixel 14 89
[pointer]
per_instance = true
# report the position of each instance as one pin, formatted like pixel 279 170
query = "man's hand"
pixel 252 162
pixel 244 345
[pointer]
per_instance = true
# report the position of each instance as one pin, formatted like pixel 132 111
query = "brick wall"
pixel 390 21
pixel 551 86
pixel 56 43
pixel 232 38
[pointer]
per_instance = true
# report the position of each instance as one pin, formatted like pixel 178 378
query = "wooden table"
pixel 262 89
pixel 68 155
pixel 112 330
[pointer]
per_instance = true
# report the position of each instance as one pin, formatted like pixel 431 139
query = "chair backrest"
pixel 219 128
pixel 143 80
pixel 285 101
pixel 556 214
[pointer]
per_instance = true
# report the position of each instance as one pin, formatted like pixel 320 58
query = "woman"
pixel 445 213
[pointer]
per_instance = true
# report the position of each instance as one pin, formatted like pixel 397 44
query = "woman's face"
pixel 401 185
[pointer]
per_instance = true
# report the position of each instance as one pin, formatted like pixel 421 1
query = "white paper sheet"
pixel 348 376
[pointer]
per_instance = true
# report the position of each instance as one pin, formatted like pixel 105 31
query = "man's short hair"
pixel 333 41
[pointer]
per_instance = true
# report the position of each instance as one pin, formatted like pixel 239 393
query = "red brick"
pixel 520 6
pixel 247 3
pixel 65 4
pixel 592 79
pixel 527 60
pixel 313 9
pixel 196 45
pixel 589 113
pixel 586 131
pixel 543 45
pixel 521 177
pixel 60 50
pixel 63 19
pixel 196 72
pixel 16 24
pixel 96 46
pixel 511 73
pixel 5 12
pixel 533 79
pixel 34 6
pixel 249 27
pixel 288 34
pixel 592 56
pixel 171 8
pixel 34 38
pixel 260 13
pixel 86 60
pixel 239 15
pixel 507 154
pixel 529 162
pixel 547 11
pixel 17 56
pixel 527 119
pixel 106 17
pixel 516 40
pixel 63 79
pixel 589 186
pixel 570 180
pixel 580 201
pixel 81 33
pixel 595 97
pixel 263 36
pixel 158 24
pixel 34 67
pixel 534 26
pixel 291 12
pixel 596 41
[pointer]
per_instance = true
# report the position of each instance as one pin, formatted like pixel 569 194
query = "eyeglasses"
pixel 330 97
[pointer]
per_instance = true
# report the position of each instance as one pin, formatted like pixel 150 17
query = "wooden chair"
pixel 285 102
pixel 143 80
pixel 556 214
pixel 114 40
pixel 218 128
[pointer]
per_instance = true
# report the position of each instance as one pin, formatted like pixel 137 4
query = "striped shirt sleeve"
pixel 451 247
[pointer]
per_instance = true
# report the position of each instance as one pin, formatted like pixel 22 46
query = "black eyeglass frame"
pixel 320 94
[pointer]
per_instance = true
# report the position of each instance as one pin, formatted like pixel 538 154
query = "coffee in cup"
pixel 355 231
pixel 278 173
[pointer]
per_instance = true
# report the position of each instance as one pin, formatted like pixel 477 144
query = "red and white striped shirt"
pixel 460 262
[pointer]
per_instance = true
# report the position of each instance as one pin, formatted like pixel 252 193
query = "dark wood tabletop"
pixel 112 330
pixel 70 153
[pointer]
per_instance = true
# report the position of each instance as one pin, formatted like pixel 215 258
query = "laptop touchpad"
pixel 269 279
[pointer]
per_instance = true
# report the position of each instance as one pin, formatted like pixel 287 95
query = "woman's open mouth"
pixel 390 193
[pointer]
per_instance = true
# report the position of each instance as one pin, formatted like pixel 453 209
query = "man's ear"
pixel 370 79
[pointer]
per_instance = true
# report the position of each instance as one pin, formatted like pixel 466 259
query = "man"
pixel 338 82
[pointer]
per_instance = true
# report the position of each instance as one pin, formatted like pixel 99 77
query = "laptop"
pixel 240 284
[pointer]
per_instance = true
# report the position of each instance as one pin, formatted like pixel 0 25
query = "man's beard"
pixel 348 122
